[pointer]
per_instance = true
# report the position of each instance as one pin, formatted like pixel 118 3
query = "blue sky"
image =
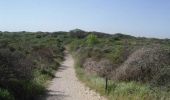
pixel 149 18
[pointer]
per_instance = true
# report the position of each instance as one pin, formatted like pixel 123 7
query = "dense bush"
pixel 5 95
pixel 14 65
pixel 78 33
pixel 27 61
pixel 146 65
pixel 92 40
pixel 117 50
pixel 136 66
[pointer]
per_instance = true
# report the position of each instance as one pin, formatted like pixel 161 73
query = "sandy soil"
pixel 66 86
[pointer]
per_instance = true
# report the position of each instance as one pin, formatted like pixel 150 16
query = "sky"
pixel 148 18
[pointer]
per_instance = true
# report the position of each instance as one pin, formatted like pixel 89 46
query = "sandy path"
pixel 66 86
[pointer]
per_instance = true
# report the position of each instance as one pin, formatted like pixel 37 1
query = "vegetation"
pixel 91 40
pixel 137 68
pixel 5 95
pixel 27 61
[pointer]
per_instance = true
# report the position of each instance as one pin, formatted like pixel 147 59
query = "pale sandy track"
pixel 66 86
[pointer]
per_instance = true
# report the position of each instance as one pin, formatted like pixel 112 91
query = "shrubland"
pixel 137 67
pixel 27 61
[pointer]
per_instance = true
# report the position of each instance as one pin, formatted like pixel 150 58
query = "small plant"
pixel 5 95
pixel 92 40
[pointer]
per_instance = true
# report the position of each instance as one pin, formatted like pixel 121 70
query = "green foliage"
pixel 78 33
pixel 117 49
pixel 5 95
pixel 27 62
pixel 91 40
pixel 121 90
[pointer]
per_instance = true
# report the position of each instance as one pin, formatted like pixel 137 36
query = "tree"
pixel 78 33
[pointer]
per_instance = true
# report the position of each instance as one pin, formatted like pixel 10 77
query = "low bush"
pixel 121 90
pixel 5 95
pixel 27 62
pixel 145 65
pixel 139 66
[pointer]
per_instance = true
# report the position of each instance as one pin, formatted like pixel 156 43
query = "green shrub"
pixel 117 90
pixel 5 95
pixel 92 40
pixel 27 62
pixel 121 90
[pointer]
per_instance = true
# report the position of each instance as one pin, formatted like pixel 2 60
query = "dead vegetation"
pixel 148 65
pixel 101 67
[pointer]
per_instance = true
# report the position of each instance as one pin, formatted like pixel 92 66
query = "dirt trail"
pixel 66 86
